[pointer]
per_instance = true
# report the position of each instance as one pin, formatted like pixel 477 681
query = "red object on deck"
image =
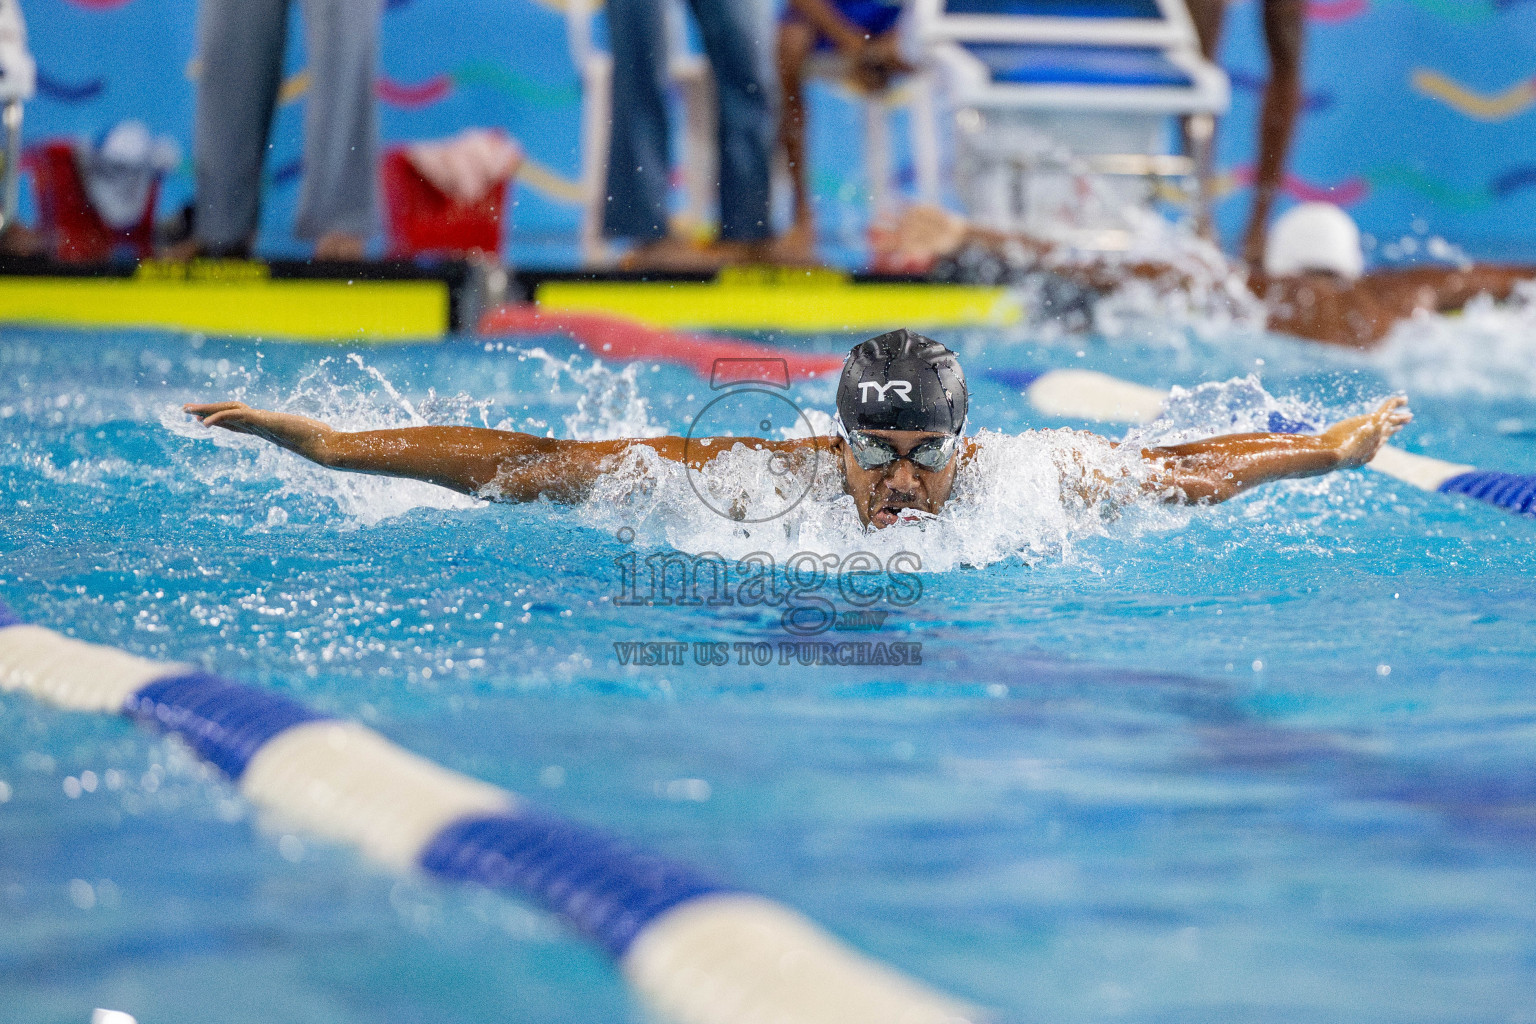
pixel 423 221
pixel 611 337
pixel 71 228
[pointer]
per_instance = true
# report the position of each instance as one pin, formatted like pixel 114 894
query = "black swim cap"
pixel 902 381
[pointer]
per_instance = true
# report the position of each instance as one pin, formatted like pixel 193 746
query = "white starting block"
pixel 1065 109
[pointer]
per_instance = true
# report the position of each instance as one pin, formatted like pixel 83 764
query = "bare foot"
pixel 190 248
pixel 673 253
pixel 1357 440
pixel 182 251
pixel 19 240
pixel 876 63
pixel 797 246
pixel 731 253
pixel 341 247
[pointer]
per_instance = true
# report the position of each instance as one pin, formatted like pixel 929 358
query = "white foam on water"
pixel 353 395
pixel 609 405
pixel 1213 300
pixel 1236 406
pixel 1488 349
pixel 1210 300
pixel 1032 496
pixel 364 498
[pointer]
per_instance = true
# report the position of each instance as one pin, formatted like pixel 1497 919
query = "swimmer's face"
pixel 881 494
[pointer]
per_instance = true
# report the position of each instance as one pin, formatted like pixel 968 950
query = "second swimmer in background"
pixel 1313 282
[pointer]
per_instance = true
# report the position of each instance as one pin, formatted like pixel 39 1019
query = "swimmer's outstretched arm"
pixel 501 464
pixel 1442 289
pixel 1220 467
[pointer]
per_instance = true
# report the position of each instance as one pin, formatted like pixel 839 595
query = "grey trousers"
pixel 241 47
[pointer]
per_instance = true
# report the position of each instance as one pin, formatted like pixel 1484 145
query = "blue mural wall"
pixel 1418 118
pixel 1419 113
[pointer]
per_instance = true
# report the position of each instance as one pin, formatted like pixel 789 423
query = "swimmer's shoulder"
pixel 696 451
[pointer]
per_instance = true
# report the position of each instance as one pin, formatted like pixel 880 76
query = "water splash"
pixel 351 394
pixel 1033 497
pixel 1489 349
pixel 1069 291
pixel 1236 406
pixel 323 393
pixel 608 401
pixel 1209 297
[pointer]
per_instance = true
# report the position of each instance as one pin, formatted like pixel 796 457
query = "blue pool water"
pixel 1270 761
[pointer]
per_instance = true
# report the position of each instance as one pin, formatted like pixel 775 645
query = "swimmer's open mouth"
pixel 895 512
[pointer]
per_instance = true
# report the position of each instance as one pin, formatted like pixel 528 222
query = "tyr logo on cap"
pixel 902 388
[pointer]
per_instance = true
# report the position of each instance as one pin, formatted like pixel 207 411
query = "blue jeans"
pixel 739 40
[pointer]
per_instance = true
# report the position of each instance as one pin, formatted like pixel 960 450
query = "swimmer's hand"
pixel 1218 468
pixel 298 434
pixel 1357 440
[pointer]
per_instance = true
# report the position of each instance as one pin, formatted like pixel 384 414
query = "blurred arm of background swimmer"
pixel 1326 308
pixel 517 467
pixel 922 235
pixel 1443 289
pixel 1219 468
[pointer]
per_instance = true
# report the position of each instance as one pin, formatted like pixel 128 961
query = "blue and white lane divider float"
pixel 1090 395
pixel 693 950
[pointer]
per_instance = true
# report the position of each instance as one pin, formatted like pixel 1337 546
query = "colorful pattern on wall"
pixel 470 74
pixel 1415 113
pixel 1501 107
pixel 1413 118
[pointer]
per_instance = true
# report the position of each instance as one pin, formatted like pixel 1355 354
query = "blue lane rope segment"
pixel 1512 491
pixel 1279 424
pixel 608 891
pixel 1018 379
pixel 225 722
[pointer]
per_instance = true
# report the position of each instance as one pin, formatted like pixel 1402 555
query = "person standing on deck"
pixel 863 33
pixel 1285 37
pixel 240 48
pixel 737 38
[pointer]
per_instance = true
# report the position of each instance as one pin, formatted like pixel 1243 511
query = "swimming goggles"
pixel 871 452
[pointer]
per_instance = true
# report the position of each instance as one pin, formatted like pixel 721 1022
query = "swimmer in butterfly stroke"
pixel 901 405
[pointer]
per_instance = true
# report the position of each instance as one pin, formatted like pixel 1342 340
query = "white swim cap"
pixel 1314 236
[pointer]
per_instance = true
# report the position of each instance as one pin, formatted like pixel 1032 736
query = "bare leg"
pixel 1199 130
pixel 339 245
pixel 1285 35
pixel 796 40
pixel 1208 16
pixel 1220 467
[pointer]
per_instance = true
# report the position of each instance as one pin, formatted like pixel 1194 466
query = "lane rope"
pixel 695 950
